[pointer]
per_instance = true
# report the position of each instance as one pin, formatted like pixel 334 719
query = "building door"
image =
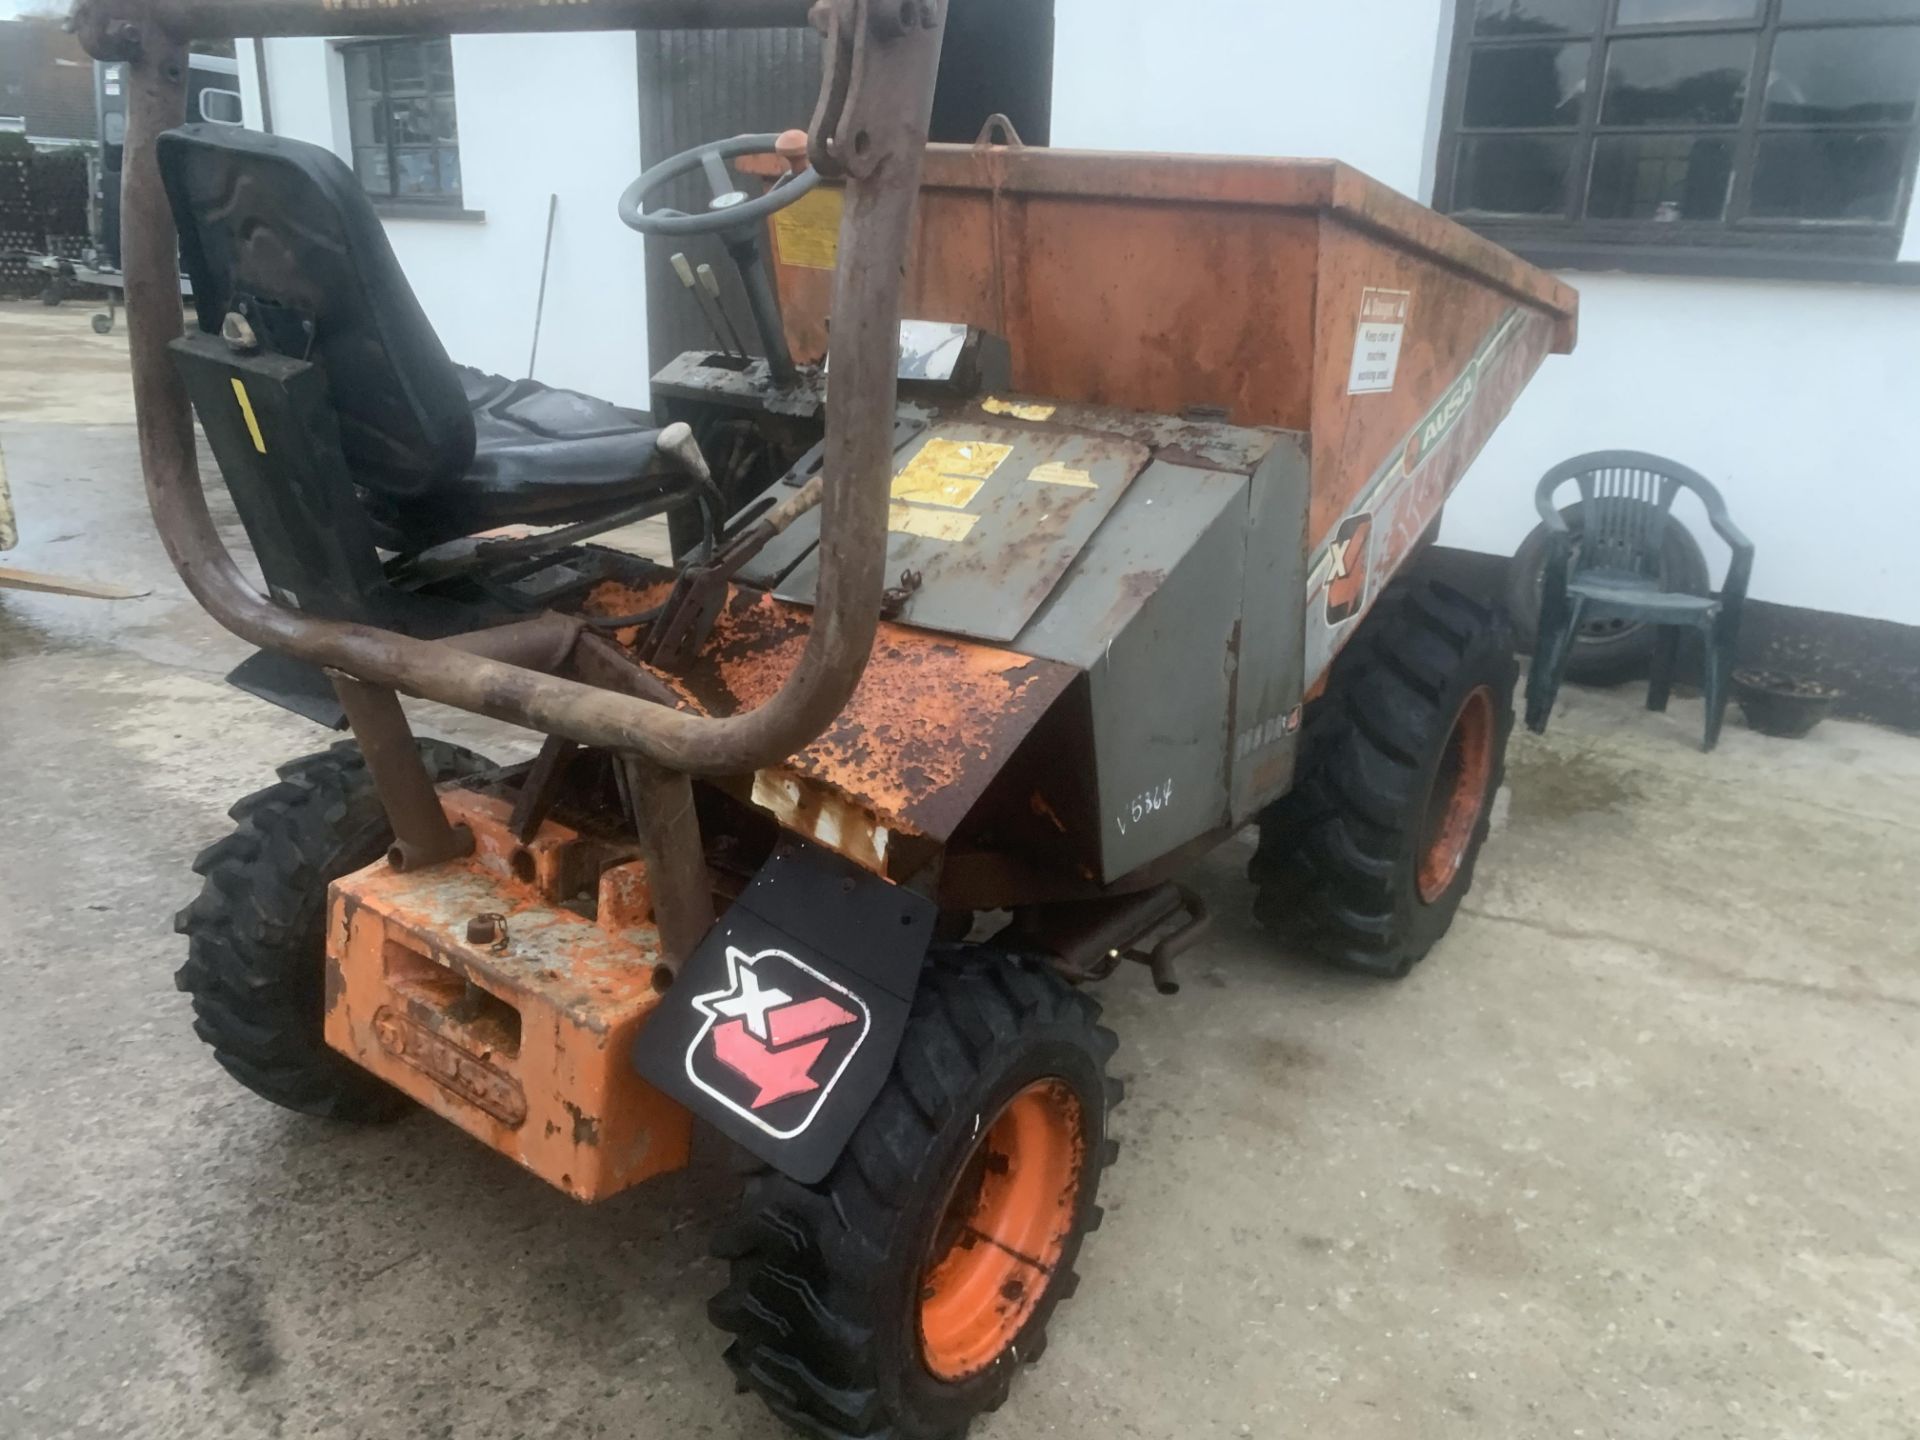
pixel 702 85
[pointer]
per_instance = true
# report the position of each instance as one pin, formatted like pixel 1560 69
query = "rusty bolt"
pixel 487 930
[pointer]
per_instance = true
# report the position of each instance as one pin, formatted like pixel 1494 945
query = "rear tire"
pixel 1366 861
pixel 868 1304
pixel 256 935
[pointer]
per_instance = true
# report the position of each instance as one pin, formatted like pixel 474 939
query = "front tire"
pixel 899 1296
pixel 1366 862
pixel 256 935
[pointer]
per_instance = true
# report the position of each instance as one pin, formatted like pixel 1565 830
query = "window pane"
pixel 371 166
pixel 440 65
pixel 450 171
pixel 1535 17
pixel 1809 10
pixel 1858 77
pixel 1518 85
pixel 363 69
pixel 406 68
pixel 1826 176
pixel 444 124
pixel 1685 12
pixel 412 121
pixel 1685 80
pixel 367 121
pixel 1513 175
pixel 1660 177
pixel 414 173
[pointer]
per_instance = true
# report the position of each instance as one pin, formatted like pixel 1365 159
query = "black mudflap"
pixel 782 1028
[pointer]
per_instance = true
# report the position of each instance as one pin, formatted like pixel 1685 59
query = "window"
pixel 1784 125
pixel 400 116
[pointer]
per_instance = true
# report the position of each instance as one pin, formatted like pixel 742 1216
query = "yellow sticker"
pixel 1054 473
pixel 949 472
pixel 9 535
pixel 246 413
pixel 808 231
pixel 1018 409
pixel 944 525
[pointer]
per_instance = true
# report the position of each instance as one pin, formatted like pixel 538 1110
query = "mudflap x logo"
pixel 776 1041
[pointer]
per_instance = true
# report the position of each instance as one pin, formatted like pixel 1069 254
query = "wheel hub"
pixel 1458 797
pixel 1002 1232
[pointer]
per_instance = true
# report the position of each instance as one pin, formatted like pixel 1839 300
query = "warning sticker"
pixel 1055 473
pixel 949 472
pixel 1019 410
pixel 943 525
pixel 1377 341
pixel 808 231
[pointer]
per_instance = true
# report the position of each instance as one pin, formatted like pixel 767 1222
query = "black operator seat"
pixel 281 232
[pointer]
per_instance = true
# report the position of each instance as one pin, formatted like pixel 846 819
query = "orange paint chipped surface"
pixel 522 1034
pixel 933 720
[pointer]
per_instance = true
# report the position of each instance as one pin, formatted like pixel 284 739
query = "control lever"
pixel 685 272
pixel 711 284
pixel 700 590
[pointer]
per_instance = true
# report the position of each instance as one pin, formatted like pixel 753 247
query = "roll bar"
pixel 870 129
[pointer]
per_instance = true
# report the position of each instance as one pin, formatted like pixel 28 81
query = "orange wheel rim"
pixel 1002 1231
pixel 1458 797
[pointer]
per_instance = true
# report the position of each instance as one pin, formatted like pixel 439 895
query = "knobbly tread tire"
pixel 256 934
pixel 1338 856
pixel 824 1280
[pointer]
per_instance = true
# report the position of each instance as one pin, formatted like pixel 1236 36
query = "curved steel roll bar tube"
pixel 878 93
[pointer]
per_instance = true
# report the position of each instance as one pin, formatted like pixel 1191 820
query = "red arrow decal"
pixel 807 1019
pixel 778 1073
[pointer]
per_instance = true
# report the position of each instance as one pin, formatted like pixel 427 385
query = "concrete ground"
pixel 1635 1153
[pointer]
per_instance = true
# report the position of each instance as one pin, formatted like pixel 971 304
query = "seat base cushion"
pixel 542 456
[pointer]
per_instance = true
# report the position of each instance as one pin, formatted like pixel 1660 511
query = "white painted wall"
pixel 1352 81
pixel 539 115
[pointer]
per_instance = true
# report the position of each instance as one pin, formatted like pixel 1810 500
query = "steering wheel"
pixel 730 209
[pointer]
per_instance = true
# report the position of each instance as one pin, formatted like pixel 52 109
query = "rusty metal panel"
pixel 1163 282
pixel 1151 609
pixel 930 725
pixel 1381 479
pixel 989 518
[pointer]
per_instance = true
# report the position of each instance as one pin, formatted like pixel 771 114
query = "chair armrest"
pixel 1550 516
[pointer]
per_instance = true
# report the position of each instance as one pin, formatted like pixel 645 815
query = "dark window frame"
pixel 1738 233
pixel 440 198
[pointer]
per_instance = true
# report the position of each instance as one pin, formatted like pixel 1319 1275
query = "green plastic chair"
pixel 1608 572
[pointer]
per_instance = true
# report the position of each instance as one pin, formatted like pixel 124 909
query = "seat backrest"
pixel 282 231
pixel 1626 504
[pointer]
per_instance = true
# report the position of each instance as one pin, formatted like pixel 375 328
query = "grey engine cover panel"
pixel 1150 611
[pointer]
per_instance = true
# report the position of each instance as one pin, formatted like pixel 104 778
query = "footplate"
pixel 505 992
